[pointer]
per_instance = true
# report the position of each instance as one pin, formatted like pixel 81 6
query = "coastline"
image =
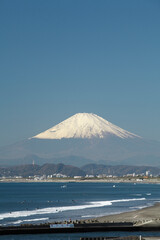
pixel 145 219
pixel 113 180
pixel 145 216
pixel 148 217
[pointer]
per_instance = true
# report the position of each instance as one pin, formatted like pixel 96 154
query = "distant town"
pixel 143 177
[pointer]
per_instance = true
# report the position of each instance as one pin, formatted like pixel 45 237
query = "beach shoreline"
pixel 146 219
pixel 147 216
pixel 113 180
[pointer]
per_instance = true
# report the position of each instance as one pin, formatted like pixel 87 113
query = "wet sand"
pixel 149 216
pixel 151 238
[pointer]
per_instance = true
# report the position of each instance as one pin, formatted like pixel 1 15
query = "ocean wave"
pixel 27 220
pixel 136 194
pixel 138 207
pixel 89 216
pixel 129 200
pixel 54 210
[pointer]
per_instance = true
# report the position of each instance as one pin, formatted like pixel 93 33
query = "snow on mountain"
pixel 82 139
pixel 84 125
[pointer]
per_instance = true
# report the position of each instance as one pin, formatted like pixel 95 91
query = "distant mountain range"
pixel 68 170
pixel 82 139
pixel 46 169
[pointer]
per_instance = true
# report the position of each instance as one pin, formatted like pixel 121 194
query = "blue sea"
pixel 36 203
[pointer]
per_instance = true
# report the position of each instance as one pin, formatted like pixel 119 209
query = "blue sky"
pixel 61 57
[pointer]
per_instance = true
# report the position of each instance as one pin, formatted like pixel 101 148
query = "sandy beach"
pixel 149 216
pixel 68 180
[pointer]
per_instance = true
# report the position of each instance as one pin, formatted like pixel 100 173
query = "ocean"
pixel 36 203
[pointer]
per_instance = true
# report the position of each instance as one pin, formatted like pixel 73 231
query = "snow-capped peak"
pixel 84 125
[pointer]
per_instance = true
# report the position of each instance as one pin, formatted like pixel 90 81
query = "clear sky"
pixel 61 57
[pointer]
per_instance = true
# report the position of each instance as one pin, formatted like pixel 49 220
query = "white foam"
pixel 29 220
pixel 129 200
pixel 25 221
pixel 55 210
pixel 138 207
pixel 50 210
pixel 137 194
pixel 100 215
pixel 88 216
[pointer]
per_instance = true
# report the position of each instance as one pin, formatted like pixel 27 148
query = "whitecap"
pixel 51 210
pixel 137 194
pixel 27 220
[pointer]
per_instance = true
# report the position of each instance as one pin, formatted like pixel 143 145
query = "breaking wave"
pixel 26 221
pixel 54 210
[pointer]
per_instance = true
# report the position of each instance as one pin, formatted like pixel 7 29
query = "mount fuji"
pixel 81 139
pixel 84 125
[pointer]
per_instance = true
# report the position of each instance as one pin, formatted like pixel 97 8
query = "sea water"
pixel 36 203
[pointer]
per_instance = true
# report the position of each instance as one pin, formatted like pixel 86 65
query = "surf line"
pixel 51 210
